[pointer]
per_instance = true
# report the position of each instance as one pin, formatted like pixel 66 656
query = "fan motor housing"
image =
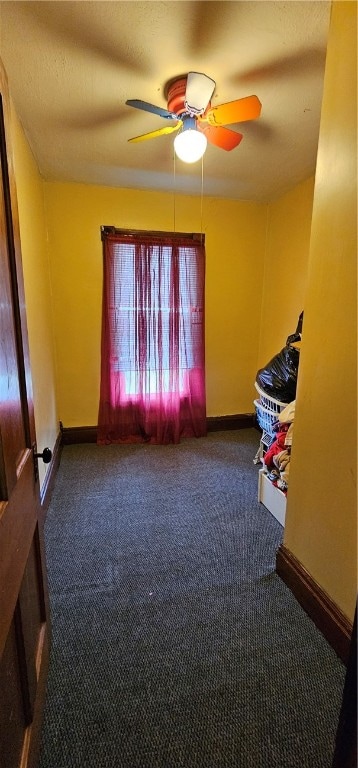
pixel 176 97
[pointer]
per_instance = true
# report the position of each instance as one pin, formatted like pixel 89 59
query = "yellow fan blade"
pixel 237 111
pixel 159 132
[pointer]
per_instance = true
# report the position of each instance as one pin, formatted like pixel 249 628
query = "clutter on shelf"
pixel 277 458
pixel 275 412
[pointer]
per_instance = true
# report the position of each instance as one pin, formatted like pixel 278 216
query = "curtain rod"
pixel 110 230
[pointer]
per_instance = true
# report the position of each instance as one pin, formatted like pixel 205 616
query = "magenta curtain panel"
pixel 152 352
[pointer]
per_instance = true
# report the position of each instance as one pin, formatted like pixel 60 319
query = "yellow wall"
pixel 37 290
pixel 322 499
pixel 235 243
pixel 285 268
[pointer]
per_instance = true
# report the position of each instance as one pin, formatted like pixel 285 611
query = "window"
pixel 152 372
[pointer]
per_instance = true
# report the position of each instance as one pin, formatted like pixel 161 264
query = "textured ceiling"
pixel 72 65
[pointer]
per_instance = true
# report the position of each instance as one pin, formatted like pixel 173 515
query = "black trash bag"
pixel 296 336
pixel 279 377
pixel 300 324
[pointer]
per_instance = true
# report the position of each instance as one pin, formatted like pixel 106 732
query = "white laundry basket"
pixel 267 410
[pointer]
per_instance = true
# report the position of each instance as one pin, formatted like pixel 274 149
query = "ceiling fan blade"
pixel 199 90
pixel 237 111
pixel 221 137
pixel 138 104
pixel 159 132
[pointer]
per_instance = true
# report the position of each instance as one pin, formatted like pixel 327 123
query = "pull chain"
pixel 201 201
pixel 174 188
pixel 201 195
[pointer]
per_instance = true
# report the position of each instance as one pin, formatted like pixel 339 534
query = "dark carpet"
pixel 174 642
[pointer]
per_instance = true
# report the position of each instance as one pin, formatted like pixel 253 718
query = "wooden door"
pixel 24 627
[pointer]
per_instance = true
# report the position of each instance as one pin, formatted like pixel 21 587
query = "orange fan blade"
pixel 221 137
pixel 237 111
pixel 159 132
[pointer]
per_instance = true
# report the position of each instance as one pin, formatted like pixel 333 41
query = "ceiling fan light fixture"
pixel 190 144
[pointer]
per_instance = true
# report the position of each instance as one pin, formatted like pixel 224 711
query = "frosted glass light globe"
pixel 190 145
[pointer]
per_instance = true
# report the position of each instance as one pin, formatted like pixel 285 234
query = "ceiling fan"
pixel 189 105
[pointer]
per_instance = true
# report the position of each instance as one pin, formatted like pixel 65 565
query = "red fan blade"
pixel 221 137
pixel 237 111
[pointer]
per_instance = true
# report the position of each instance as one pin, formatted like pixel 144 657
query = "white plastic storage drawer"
pixel 271 496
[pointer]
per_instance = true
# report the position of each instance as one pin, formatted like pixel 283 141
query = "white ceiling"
pixel 72 65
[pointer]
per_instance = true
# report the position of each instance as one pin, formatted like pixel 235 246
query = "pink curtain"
pixel 152 353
